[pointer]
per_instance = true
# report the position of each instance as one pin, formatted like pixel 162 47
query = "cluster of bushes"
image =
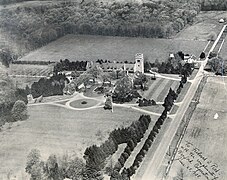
pixel 49 86
pixel 146 102
pixel 218 65
pixel 66 65
pixel 95 156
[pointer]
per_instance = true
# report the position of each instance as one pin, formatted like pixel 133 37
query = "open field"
pixel 53 129
pixel 205 136
pixel 91 48
pixel 205 23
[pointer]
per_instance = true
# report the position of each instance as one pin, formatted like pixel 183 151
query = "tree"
pixel 140 79
pixel 75 168
pixel 34 165
pixel 95 71
pixel 51 168
pixel 202 55
pixel 108 103
pixel 19 111
pixel 123 90
pixel 106 77
pixel 216 64
pixel 212 36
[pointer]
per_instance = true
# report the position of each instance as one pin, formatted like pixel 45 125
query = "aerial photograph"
pixel 113 89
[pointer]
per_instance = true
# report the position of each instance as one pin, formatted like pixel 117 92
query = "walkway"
pixel 100 102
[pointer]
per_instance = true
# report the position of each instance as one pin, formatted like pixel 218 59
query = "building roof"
pixel 117 66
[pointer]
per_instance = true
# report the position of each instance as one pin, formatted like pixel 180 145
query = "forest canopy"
pixel 40 24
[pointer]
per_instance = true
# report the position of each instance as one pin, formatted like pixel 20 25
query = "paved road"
pixel 151 172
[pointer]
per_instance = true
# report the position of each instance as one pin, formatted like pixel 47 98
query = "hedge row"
pixel 33 62
pixel 95 156
pixel 137 131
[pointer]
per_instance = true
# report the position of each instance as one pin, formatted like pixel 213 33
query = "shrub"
pixel 122 160
pixel 148 142
pixel 139 157
pixel 118 166
pixel 146 146
pixel 19 111
pixel 131 144
pixel 84 102
pixel 125 155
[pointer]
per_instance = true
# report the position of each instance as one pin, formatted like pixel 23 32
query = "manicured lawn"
pixel 159 88
pixel 84 103
pixel 207 134
pixel 57 130
pixel 91 48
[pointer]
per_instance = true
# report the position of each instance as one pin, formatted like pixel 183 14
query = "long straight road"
pixel 151 172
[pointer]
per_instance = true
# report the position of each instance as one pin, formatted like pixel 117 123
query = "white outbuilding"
pixel 221 20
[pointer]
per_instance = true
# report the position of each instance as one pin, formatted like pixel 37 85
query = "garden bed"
pixel 83 103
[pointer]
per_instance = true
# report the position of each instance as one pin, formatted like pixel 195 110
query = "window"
pixel 138 61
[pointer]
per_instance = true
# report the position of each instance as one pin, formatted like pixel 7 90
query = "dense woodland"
pixel 38 25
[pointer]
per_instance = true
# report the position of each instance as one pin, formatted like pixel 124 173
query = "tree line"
pixel 66 65
pixel 49 86
pixel 214 5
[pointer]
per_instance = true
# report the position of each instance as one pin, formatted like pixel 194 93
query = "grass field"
pixel 205 136
pixel 205 23
pixel 53 129
pixel 30 70
pixel 87 47
pixel 23 75
pixel 159 88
